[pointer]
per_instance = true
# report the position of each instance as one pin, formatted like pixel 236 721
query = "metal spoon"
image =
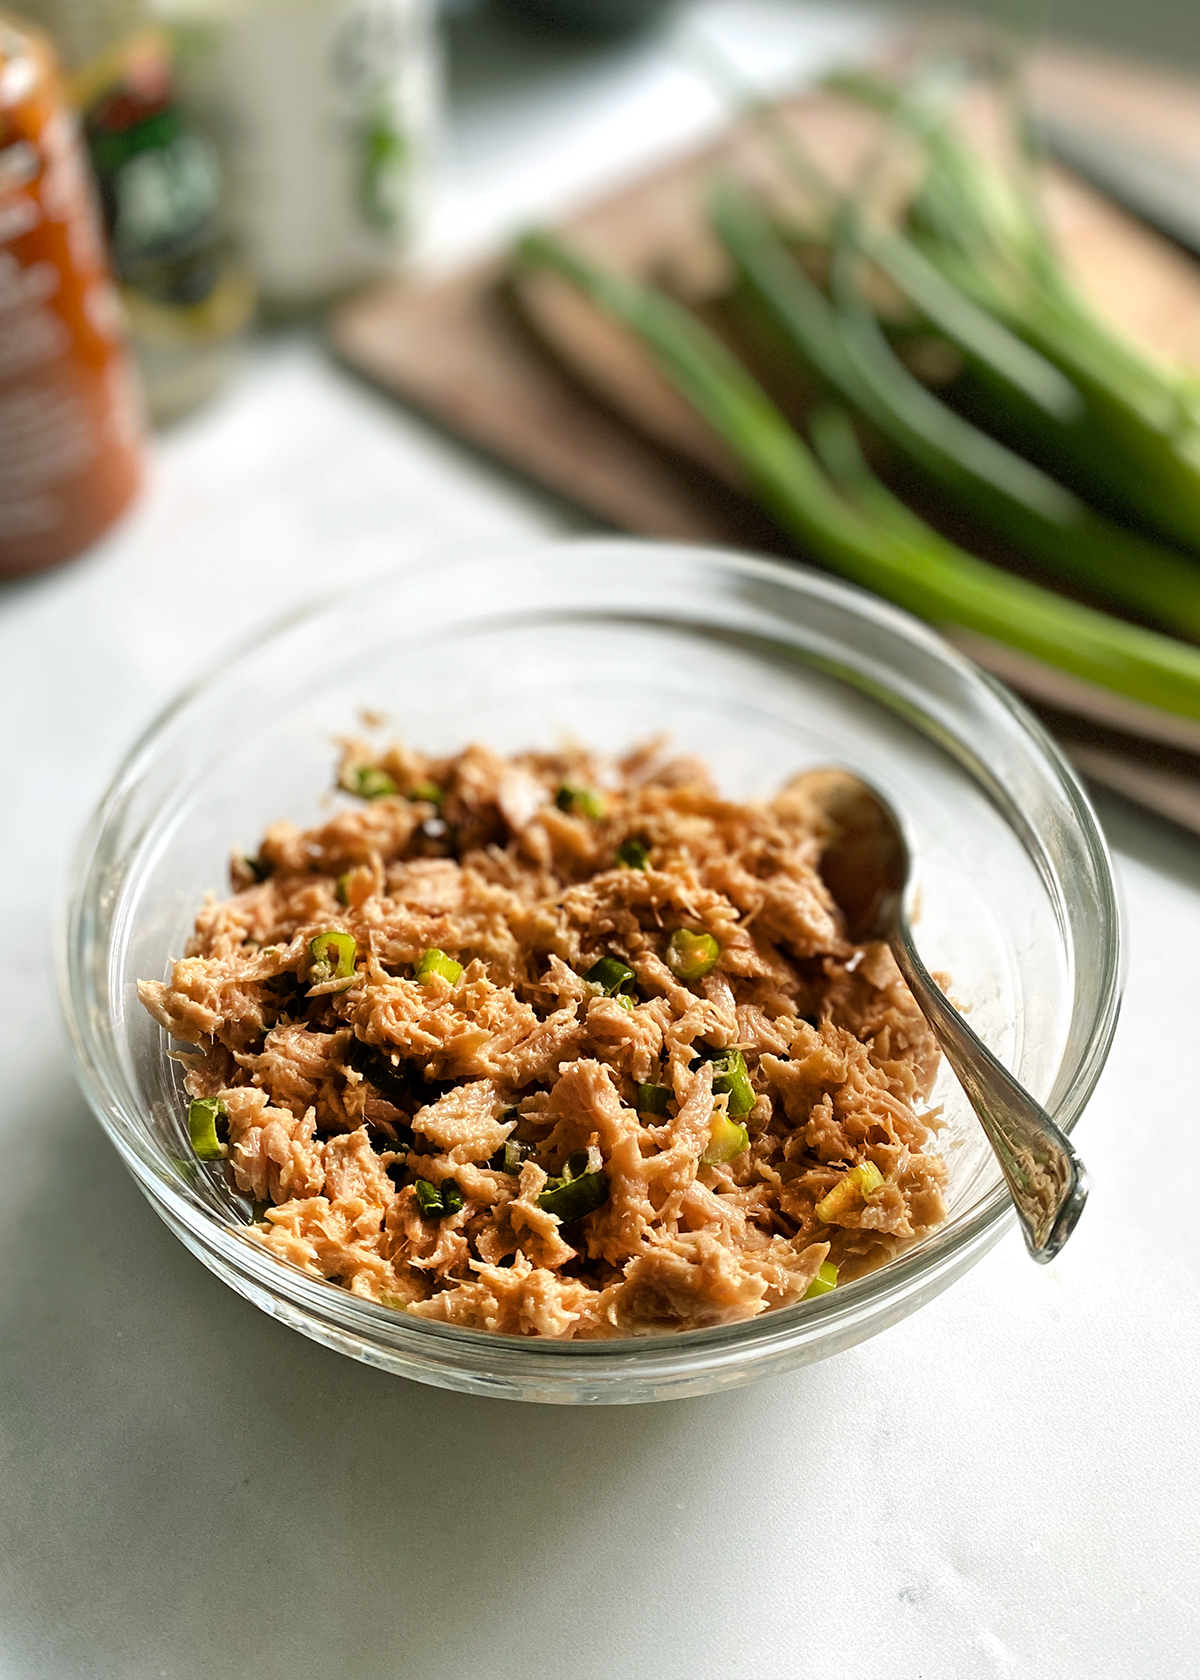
pixel 866 866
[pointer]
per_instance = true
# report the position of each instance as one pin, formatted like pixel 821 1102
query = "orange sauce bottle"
pixel 70 427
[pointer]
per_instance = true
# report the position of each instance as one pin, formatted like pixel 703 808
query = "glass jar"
pixel 325 111
pixel 187 295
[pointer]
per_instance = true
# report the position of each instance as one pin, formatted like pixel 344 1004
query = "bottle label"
pixel 159 176
pixel 325 110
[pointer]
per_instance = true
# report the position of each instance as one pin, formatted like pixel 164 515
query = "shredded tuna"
pixel 413 1138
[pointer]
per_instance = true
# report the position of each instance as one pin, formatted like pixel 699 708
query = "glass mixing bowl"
pixel 763 669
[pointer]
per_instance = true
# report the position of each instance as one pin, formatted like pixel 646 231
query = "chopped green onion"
pixel 633 854
pixel 611 975
pixel 452 1197
pixel 571 1198
pixel 437 962
pixel 511 1156
pixel 203 1114
pixel 576 1164
pixel 367 781
pixel 727 1140
pixel 653 1099
pixel 259 867
pixel 581 799
pixel 393 1083
pixel 859 1184
pixel 343 896
pixel 429 1199
pixel 731 1078
pixel 690 956
pixel 430 792
pixel 825 1280
pixel 331 957
pixel 624 1001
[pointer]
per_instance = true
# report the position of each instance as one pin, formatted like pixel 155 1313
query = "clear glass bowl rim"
pixel 484 1362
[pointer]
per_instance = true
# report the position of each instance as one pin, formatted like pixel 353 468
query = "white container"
pixel 325 110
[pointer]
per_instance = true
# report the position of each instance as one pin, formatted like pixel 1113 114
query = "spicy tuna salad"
pixel 554 1046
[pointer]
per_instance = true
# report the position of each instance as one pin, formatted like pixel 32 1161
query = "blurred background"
pixel 330 179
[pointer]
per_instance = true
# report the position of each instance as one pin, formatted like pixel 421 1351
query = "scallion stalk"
pixel 1136 446
pixel 986 478
pixel 937 582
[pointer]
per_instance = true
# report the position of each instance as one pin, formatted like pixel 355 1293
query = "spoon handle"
pixel 1043 1172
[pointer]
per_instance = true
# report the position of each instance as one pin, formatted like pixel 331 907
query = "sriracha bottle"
pixel 70 427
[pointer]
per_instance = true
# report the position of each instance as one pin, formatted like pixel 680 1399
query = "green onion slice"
pixel 203 1114
pixel 511 1156
pixel 731 1078
pixel 825 1280
pixel 584 800
pixel 859 1185
pixel 690 956
pixel 611 975
pixel 452 1197
pixel 727 1140
pixel 571 1198
pixel 437 962
pixel 430 792
pixel 575 1165
pixel 633 854
pixel 331 957
pixel 429 1199
pixel 343 881
pixel 367 781
pixel 653 1099
pixel 258 867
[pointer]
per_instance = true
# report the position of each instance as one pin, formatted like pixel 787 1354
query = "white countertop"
pixel 1004 1485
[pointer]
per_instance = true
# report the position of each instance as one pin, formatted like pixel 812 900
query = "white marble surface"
pixel 1005 1485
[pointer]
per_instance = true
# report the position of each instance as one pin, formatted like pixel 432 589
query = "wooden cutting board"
pixel 472 355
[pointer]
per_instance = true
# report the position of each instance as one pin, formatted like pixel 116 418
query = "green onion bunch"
pixel 1072 454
